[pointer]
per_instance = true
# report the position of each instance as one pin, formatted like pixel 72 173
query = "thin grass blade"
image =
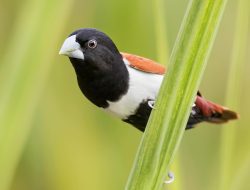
pixel 167 123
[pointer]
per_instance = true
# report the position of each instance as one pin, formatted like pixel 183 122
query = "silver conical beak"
pixel 71 48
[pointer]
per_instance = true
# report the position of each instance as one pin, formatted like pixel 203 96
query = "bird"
pixel 124 84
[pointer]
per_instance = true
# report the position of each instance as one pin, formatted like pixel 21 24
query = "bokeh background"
pixel 52 138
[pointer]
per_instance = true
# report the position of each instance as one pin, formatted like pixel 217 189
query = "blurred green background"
pixel 52 138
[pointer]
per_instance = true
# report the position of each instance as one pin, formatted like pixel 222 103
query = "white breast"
pixel 142 86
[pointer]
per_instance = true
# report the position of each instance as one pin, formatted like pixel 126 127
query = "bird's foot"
pixel 151 104
pixel 171 178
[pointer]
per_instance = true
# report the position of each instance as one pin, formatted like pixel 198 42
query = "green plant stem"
pixel 162 49
pixel 233 94
pixel 27 61
pixel 167 122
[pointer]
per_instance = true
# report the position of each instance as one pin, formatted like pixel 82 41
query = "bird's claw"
pixel 151 104
pixel 171 178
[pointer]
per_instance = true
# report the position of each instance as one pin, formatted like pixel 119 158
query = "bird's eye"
pixel 92 44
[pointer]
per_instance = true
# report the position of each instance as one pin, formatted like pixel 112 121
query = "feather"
pixel 144 64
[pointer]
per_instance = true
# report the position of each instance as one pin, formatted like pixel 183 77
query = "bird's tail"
pixel 213 112
pixel 204 110
pixel 220 114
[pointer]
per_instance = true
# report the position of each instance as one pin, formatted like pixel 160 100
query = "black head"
pixel 92 39
pixel 91 48
pixel 98 64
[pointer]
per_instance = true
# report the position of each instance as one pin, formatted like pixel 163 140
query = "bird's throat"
pixel 102 86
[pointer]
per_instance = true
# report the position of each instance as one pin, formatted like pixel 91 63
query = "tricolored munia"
pixel 126 85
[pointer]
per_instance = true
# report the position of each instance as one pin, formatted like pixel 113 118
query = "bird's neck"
pixel 100 87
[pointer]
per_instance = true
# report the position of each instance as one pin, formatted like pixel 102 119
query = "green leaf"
pixel 167 122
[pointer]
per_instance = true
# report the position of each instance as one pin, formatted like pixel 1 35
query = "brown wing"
pixel 144 64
